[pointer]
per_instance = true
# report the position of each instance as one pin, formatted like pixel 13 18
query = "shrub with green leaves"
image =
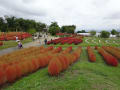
pixel 105 34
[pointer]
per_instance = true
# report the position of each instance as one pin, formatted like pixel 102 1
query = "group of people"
pixel 34 37
pixel 20 43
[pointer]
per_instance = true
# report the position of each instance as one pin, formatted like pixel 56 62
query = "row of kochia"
pixel 25 61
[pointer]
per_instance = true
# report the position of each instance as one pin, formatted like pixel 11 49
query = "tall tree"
pixel 11 22
pixel 113 32
pixel 105 34
pixel 2 25
pixel 54 28
pixel 68 29
pixel 82 31
pixel 63 29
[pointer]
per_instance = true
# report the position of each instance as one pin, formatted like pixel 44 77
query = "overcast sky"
pixel 85 14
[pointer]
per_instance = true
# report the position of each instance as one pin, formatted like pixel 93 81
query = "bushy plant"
pixel 105 34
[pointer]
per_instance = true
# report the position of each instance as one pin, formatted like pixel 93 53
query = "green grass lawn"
pixel 8 44
pixel 82 75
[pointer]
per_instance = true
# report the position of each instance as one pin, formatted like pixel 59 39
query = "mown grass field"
pixel 8 44
pixel 82 75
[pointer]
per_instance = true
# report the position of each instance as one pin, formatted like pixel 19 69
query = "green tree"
pixel 118 34
pixel 63 29
pixel 40 26
pixel 105 34
pixel 93 33
pixel 54 28
pixel 2 25
pixel 32 31
pixel 11 23
pixel 68 29
pixel 113 32
pixel 78 31
pixel 82 31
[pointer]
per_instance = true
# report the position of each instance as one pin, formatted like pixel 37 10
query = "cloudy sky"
pixel 85 14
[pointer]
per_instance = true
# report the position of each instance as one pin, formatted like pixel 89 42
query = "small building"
pixel 84 34
pixel 97 34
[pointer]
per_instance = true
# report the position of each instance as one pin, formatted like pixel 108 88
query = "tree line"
pixel 104 33
pixel 55 28
pixel 13 24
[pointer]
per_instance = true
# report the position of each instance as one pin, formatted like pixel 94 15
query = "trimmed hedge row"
pixel 91 54
pixel 114 51
pixel 62 61
pixel 28 62
pixel 109 59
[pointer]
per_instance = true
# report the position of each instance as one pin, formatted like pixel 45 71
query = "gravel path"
pixel 38 42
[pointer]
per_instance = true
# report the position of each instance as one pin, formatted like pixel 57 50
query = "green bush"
pixel 105 34
pixel 32 31
pixel 92 33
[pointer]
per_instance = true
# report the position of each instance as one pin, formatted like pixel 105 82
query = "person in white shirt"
pixel 16 38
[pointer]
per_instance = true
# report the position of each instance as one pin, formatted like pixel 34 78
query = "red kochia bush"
pixel 27 61
pixel 31 66
pixel 18 71
pixel 67 50
pixel 114 51
pixel 54 67
pixel 23 67
pixel 69 57
pixel 2 76
pixel 77 52
pixel 91 54
pixel 57 50
pixel 96 47
pixel 43 60
pixel 10 73
pixel 62 61
pixel 1 43
pixel 109 59
pixel 50 48
pixel 4 66
pixel 34 64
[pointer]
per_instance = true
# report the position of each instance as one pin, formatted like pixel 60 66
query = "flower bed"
pixel 66 40
pixel 11 36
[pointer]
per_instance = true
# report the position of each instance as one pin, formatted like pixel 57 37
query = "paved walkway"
pixel 38 42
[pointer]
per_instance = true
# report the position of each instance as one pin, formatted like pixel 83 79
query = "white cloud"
pixel 85 14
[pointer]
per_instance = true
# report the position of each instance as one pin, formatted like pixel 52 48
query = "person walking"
pixel 45 41
pixel 16 38
pixel 20 45
pixel 33 38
